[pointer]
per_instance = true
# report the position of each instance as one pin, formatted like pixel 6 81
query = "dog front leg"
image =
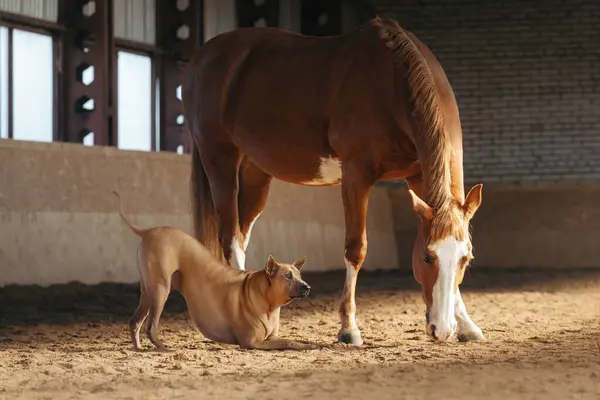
pixel 275 331
pixel 275 343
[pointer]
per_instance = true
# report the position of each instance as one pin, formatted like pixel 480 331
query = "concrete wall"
pixel 58 219
pixel 536 225
pixel 526 78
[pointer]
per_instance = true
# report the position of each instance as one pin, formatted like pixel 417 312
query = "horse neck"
pixel 443 182
pixel 457 186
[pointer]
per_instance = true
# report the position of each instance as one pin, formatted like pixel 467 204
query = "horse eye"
pixel 288 275
pixel 427 258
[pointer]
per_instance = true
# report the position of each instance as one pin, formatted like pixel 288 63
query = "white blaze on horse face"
pixel 238 257
pixel 442 320
pixel 330 173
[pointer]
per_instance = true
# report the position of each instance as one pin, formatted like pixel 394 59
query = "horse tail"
pixel 204 214
pixel 136 229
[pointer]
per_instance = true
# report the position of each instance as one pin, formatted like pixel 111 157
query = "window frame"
pixel 13 21
pixel 154 53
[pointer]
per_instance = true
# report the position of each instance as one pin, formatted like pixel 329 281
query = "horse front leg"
pixel 467 330
pixel 222 168
pixel 355 196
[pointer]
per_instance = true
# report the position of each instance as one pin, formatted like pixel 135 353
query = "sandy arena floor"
pixel 543 332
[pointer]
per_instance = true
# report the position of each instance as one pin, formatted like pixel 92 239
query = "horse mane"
pixel 431 138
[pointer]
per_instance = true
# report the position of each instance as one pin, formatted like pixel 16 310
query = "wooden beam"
pixel 248 14
pixel 88 41
pixel 321 17
pixel 179 33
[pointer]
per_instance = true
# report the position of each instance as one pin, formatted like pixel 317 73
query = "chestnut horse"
pixel 353 110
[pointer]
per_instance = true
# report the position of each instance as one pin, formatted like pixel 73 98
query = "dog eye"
pixel 427 258
pixel 288 275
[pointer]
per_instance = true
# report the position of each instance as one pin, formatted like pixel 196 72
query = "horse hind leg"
pixel 254 187
pixel 222 165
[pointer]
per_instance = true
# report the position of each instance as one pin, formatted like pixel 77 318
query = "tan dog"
pixel 227 305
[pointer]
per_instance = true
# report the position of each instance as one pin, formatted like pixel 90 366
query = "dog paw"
pixel 164 350
pixel 309 346
pixel 352 338
pixel 470 336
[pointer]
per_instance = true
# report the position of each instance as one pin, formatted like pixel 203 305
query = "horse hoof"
pixel 469 336
pixel 352 338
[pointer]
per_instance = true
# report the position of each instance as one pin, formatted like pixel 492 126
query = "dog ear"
pixel 271 267
pixel 299 263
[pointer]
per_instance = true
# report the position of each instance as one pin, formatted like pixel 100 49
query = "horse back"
pixel 266 80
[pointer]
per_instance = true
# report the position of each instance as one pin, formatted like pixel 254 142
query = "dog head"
pixel 285 281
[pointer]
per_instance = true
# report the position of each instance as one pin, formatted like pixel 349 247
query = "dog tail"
pixel 136 229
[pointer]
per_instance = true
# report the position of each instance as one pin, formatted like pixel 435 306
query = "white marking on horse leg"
pixel 330 173
pixel 349 333
pixel 467 329
pixel 442 321
pixel 350 283
pixel 238 257
pixel 247 238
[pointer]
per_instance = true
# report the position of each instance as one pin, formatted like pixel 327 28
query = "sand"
pixel 543 330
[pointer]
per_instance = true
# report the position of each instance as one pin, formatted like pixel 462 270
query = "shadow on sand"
pixel 107 302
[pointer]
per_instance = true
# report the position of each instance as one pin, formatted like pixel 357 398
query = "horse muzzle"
pixel 441 332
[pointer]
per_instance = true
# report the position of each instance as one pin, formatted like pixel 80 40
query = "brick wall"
pixel 527 78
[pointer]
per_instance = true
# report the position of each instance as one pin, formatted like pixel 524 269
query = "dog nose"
pixel 304 290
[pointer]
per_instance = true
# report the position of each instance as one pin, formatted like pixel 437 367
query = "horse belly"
pixel 286 135
pixel 328 172
pixel 295 165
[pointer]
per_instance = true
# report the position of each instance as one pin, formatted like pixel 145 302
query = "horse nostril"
pixel 432 330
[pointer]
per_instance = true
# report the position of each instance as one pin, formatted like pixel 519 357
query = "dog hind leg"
pixel 157 300
pixel 137 319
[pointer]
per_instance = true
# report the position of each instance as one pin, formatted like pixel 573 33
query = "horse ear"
pixel 271 266
pixel 420 207
pixel 473 200
pixel 300 263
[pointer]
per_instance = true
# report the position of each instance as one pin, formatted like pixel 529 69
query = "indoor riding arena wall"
pixel 60 221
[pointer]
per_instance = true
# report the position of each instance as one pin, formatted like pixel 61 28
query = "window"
pixel 134 101
pixel 157 119
pixel 3 82
pixel 33 86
